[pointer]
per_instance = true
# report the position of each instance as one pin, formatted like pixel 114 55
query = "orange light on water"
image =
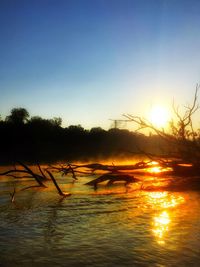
pixel 155 169
pixel 162 219
pixel 161 226
pixel 173 202
pixel 157 195
pixel 164 199
pixel 161 222
pixel 153 163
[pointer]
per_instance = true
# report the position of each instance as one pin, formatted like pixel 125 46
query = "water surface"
pixel 108 227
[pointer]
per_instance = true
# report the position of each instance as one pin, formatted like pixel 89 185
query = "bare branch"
pixel 57 186
pixel 36 176
pixel 41 171
pixel 182 135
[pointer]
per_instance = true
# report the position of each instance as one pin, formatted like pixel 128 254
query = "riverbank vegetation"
pixel 34 139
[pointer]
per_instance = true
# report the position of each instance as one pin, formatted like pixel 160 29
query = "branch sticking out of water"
pixel 34 175
pixel 13 195
pixel 60 192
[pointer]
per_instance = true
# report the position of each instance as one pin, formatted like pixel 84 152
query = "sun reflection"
pixel 161 226
pixel 161 222
pixel 154 167
pixel 153 163
pixel 164 199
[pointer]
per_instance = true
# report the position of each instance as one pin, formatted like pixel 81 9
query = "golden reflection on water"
pixel 154 168
pixel 164 199
pixel 162 220
pixel 161 226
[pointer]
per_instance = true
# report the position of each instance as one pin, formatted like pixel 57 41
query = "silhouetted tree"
pixel 18 116
pixel 37 121
pixel 97 130
pixel 75 128
pixel 56 121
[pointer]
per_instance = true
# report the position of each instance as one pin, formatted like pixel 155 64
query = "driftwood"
pixel 92 168
pixel 39 178
pixel 112 178
pixel 66 169
pixel 29 174
pixel 171 167
pixel 113 173
pixel 156 166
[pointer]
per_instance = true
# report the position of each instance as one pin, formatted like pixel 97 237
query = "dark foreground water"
pixel 109 227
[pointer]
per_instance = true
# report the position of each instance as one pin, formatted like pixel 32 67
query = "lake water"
pixel 108 227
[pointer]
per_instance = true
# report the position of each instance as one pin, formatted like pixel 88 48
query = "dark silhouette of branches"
pixel 31 174
pixel 183 129
pixel 37 177
pixel 60 192
pixel 182 137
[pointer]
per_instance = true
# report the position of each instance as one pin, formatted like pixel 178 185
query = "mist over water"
pixel 107 227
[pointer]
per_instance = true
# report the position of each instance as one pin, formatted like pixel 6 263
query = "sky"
pixel 89 61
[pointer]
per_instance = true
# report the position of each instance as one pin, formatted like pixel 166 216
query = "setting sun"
pixel 159 116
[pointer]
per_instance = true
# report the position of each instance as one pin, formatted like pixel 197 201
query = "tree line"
pixel 35 139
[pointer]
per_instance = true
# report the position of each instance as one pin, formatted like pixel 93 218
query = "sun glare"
pixel 159 116
pixel 162 221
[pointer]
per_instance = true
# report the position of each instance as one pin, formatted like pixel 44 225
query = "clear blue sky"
pixel 89 61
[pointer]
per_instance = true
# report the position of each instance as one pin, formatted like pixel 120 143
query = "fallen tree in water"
pixel 187 176
pixel 157 165
pixel 27 172
pixel 181 172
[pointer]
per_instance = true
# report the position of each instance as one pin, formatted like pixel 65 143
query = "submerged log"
pixel 113 168
pixel 171 167
pixel 90 169
pixel 112 178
